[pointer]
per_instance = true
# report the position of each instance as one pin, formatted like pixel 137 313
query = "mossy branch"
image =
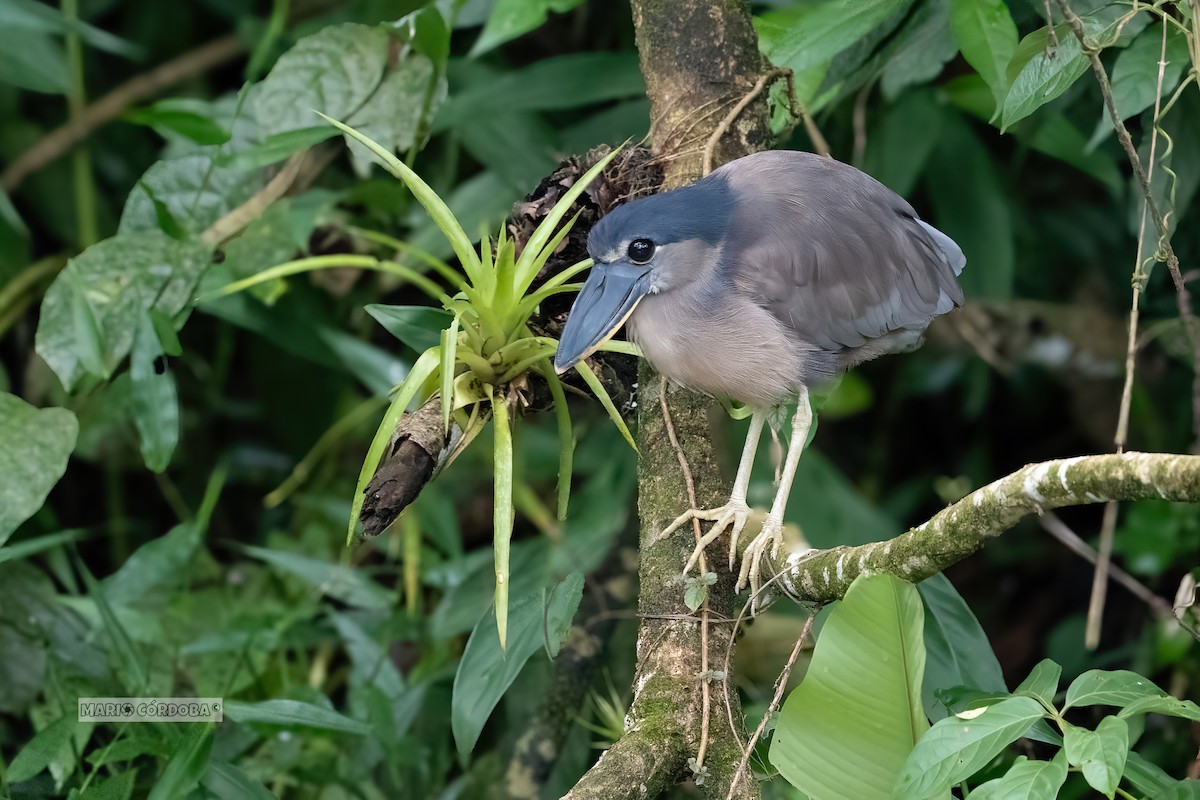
pixel 966 526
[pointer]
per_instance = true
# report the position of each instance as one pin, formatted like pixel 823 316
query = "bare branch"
pixel 963 528
pixel 148 84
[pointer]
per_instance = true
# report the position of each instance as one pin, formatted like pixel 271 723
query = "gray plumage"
pixel 777 271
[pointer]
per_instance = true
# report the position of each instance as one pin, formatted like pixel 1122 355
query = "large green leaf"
pixel 228 780
pixel 956 748
pixel 1099 754
pixel 551 83
pixel 919 49
pixel 32 61
pixel 419 327
pixel 487 669
pixel 186 194
pixel 336 580
pixel 34 447
pixel 1117 687
pixel 157 562
pixel 187 765
pixel 957 650
pixel 848 728
pixel 987 37
pixel 410 94
pixel 811 34
pixel 1026 780
pixel 512 18
pixel 335 70
pixel 970 206
pixel 1040 72
pixel 294 714
pixel 115 282
pixel 1183 790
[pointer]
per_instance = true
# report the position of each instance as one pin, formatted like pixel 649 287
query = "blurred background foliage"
pixel 195 541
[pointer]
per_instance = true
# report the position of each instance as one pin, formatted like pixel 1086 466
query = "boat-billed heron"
pixel 771 275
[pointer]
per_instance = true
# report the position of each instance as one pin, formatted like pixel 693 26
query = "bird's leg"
pixel 733 515
pixel 771 535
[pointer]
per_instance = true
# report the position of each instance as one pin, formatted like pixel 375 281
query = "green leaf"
pixel 1183 790
pixel 39 544
pixel 154 401
pixel 545 85
pixel 167 115
pixel 1119 687
pixel 341 581
pixel 956 748
pixel 1170 706
pixel 1042 683
pixel 1100 754
pixel 487 669
pixel 419 327
pixel 294 714
pixel 813 33
pixel 502 509
pixel 512 18
pixel 1135 75
pixel 987 37
pixel 957 650
pixel 847 729
pixel 30 16
pixel 187 765
pixel 1026 780
pixel 35 444
pixel 228 780
pixel 1043 72
pixel 119 279
pixel 32 61
pixel 899 146
pixel 335 70
pixel 971 206
pixel 45 747
pixel 123 654
pixel 114 787
pixel 191 191
pixel 406 87
pixel 1147 778
pixel 155 563
pixel 276 147
pixel 919 49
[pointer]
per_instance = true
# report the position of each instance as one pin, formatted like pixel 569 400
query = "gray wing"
pixel 832 253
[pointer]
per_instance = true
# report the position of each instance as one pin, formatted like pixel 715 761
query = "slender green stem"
pixel 86 226
pixel 448 272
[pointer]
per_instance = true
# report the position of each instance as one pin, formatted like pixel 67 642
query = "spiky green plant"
pixel 487 348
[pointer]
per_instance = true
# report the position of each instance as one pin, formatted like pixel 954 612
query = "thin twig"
pixel 706 710
pixel 860 124
pixel 1108 523
pixel 148 84
pixel 232 223
pixel 780 685
pixel 723 126
pixel 1054 526
pixel 1165 250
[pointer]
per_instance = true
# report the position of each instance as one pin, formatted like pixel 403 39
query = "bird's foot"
pixel 767 542
pixel 732 516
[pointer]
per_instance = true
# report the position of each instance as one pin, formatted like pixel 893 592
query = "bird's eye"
pixel 641 251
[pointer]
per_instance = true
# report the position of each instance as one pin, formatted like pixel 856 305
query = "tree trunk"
pixel 700 58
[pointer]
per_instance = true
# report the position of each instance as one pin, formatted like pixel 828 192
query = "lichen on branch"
pixel 966 526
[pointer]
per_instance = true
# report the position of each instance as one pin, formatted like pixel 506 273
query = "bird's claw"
pixel 732 516
pixel 768 540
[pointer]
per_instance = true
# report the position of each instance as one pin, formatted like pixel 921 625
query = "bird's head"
pixel 650 246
